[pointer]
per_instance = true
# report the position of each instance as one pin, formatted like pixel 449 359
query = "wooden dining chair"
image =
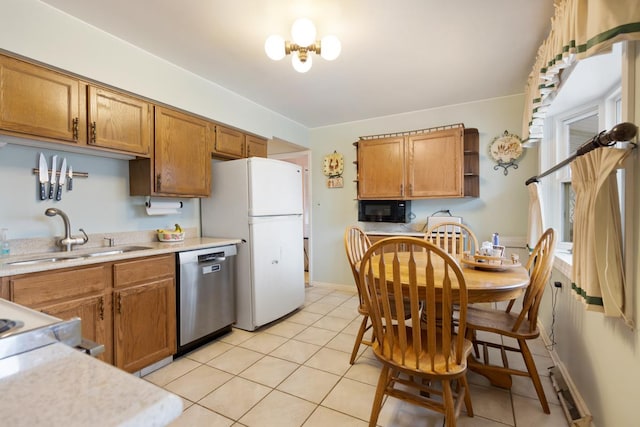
pixel 356 243
pixel 423 362
pixel 455 238
pixel 522 326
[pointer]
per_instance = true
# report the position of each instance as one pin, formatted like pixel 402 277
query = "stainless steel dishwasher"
pixel 205 300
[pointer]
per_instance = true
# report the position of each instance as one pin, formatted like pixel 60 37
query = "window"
pixel 575 132
pixel 589 101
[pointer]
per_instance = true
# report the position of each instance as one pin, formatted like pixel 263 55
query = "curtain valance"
pixel 579 29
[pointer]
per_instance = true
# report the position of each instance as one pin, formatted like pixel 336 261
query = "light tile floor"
pixel 296 372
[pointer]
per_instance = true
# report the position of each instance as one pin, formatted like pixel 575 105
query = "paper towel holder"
pixel 148 203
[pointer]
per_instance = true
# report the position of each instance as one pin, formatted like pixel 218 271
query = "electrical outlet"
pixel 557 284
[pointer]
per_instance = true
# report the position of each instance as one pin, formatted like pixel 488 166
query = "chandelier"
pixel 303 33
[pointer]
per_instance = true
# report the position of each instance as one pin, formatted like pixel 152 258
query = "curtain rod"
pixel 621 132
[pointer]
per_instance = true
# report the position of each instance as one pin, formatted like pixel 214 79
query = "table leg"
pixel 496 378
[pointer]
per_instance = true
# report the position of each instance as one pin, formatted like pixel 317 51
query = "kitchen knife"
pixel 44 176
pixel 63 176
pixel 70 183
pixel 52 183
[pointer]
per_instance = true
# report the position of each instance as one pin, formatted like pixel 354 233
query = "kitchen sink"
pixel 115 251
pixel 99 252
pixel 43 260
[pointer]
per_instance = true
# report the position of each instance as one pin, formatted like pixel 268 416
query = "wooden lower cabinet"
pixel 83 292
pixel 95 313
pixel 144 311
pixel 144 324
pixel 129 306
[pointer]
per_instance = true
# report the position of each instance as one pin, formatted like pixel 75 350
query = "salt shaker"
pixel 495 239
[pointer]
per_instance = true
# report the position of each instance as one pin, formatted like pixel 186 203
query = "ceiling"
pixel 396 56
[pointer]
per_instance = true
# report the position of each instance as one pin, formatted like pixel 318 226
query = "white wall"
pixel 101 203
pixel 602 355
pixel 502 206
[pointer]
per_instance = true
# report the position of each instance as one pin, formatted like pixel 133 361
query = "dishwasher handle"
pixel 212 257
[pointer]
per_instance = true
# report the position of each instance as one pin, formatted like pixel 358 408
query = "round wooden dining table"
pixel 488 284
pixel 484 284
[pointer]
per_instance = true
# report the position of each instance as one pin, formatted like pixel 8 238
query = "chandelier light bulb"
pixel 303 45
pixel 274 47
pixel 330 47
pixel 299 66
pixel 303 32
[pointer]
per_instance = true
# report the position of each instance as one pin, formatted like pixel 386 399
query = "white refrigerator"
pixel 259 201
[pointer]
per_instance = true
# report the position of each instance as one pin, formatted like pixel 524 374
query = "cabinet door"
pixel 144 324
pixel 435 163
pixel 95 313
pixel 182 154
pixel 381 168
pixel 119 121
pixel 229 143
pixel 40 103
pixel 256 147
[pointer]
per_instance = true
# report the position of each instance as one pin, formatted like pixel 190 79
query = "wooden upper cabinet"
pixel 417 166
pixel 41 103
pixel 118 121
pixel 182 153
pixel 256 147
pixel 381 168
pixel 435 161
pixel 229 143
pixel 234 144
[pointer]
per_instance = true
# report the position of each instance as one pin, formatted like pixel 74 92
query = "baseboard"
pixel 334 286
pixel 574 407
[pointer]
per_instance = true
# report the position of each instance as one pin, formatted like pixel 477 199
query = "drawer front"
pixel 36 289
pixel 143 270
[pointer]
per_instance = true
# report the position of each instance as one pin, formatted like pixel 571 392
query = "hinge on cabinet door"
pixel 158 182
pixel 101 308
pixel 92 139
pixel 74 128
pixel 119 304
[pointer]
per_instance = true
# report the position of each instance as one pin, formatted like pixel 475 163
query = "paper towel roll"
pixel 163 208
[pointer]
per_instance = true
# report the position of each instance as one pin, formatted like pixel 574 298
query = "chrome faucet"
pixel 67 242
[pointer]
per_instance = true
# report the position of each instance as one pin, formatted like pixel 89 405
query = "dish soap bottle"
pixel 4 243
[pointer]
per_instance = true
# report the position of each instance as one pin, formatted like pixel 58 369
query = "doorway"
pixel 301 156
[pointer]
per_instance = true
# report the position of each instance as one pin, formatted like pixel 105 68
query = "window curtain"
pixel 536 219
pixel 579 29
pixel 598 271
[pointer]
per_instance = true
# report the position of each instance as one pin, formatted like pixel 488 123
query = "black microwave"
pixel 384 210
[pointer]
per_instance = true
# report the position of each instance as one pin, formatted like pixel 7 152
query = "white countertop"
pixel 59 386
pixel 396 233
pixel 155 248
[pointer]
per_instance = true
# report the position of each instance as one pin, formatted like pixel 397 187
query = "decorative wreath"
pixel 333 164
